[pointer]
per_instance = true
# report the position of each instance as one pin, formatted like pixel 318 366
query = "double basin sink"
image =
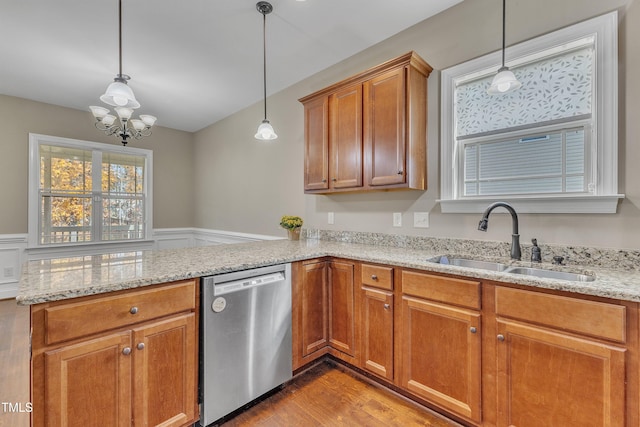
pixel 505 268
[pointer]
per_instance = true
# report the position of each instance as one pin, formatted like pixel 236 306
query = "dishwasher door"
pixel 246 338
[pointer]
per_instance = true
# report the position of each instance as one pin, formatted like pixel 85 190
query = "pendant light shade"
pixel 505 81
pixel 265 130
pixel 119 94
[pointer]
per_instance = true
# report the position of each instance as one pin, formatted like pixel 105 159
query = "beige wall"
pixel 246 185
pixel 172 155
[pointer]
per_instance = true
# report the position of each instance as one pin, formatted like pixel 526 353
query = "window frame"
pixel 35 141
pixel 604 151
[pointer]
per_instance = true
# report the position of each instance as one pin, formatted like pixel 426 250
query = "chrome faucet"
pixel 516 252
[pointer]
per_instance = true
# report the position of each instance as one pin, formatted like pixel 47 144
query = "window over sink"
pixel 548 147
pixel 83 192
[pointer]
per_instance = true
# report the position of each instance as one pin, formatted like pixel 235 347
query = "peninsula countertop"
pixel 63 278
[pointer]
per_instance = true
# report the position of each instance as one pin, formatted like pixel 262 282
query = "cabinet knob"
pixel 126 351
pixel 140 346
pixel 387 306
pixel 400 172
pixel 334 179
pixel 133 310
pixel 500 337
pixel 324 180
pixel 374 277
pixel 473 329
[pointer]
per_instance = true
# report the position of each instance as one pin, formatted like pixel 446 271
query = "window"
pixel 550 146
pixel 84 192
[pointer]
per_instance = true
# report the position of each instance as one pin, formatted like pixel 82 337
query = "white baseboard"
pixel 14 251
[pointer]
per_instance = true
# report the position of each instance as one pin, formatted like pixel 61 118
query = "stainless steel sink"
pixel 550 274
pixel 505 268
pixel 470 263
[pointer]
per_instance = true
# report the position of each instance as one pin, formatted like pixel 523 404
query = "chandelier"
pixel 120 96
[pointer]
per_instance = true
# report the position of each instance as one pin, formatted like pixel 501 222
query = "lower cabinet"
pixel 377 320
pixel 142 372
pixel 440 343
pixel 555 367
pixel 486 354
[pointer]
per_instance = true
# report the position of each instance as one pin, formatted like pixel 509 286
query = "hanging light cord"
pixel 504 14
pixel 120 37
pixel 264 60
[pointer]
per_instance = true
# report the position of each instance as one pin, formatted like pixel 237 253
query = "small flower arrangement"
pixel 291 222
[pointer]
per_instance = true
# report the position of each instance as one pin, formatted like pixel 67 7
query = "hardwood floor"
pixel 14 364
pixel 329 395
pixel 325 395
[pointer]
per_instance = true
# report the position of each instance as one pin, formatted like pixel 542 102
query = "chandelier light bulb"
pixel 265 131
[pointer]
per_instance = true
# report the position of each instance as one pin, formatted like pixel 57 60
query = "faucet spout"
pixel 516 252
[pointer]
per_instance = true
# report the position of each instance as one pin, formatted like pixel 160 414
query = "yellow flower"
pixel 290 222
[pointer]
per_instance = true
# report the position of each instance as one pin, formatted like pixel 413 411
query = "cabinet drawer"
pixel 596 319
pixel 461 292
pixel 377 276
pixel 72 320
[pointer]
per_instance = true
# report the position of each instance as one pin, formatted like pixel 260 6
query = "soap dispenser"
pixel 536 254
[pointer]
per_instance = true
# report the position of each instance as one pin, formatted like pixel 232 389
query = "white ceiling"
pixel 192 62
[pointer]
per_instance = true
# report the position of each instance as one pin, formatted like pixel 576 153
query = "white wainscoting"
pixel 14 251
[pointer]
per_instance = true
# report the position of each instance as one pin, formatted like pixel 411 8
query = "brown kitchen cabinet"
pixel 440 342
pixel 310 311
pixel 324 313
pixel 560 361
pixel 377 322
pixel 124 358
pixel 368 132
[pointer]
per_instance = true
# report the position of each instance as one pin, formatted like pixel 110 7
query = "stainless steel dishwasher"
pixel 246 338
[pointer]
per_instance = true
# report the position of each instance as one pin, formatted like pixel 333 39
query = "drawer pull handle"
pixel 126 351
pixel 387 306
pixel 500 337
pixel 140 346
pixel 374 277
pixel 473 329
pixel 133 310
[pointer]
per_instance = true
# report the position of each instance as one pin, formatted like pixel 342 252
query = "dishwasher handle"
pixel 247 283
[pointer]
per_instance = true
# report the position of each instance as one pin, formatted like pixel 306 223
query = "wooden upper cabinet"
pixel 385 126
pixel 345 143
pixel 316 137
pixel 376 127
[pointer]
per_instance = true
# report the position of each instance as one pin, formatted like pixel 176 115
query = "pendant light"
pixel 265 130
pixel 505 81
pixel 120 96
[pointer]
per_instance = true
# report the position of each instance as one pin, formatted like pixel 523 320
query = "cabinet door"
pixel 314 307
pixel 547 378
pixel 342 307
pixel 316 136
pixel 384 139
pixel 345 107
pixel 89 384
pixel 165 355
pixel 441 355
pixel 377 332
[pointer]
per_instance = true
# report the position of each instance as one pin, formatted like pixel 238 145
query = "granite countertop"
pixel 63 278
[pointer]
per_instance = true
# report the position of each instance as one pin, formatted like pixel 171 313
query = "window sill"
pixel 538 205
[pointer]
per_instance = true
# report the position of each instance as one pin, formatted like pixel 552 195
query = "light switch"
pixel 421 219
pixel 330 218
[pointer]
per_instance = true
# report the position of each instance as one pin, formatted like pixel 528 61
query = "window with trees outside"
pixel 548 147
pixel 85 192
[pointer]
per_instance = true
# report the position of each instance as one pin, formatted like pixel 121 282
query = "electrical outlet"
pixel 397 219
pixel 330 218
pixel 8 272
pixel 421 219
